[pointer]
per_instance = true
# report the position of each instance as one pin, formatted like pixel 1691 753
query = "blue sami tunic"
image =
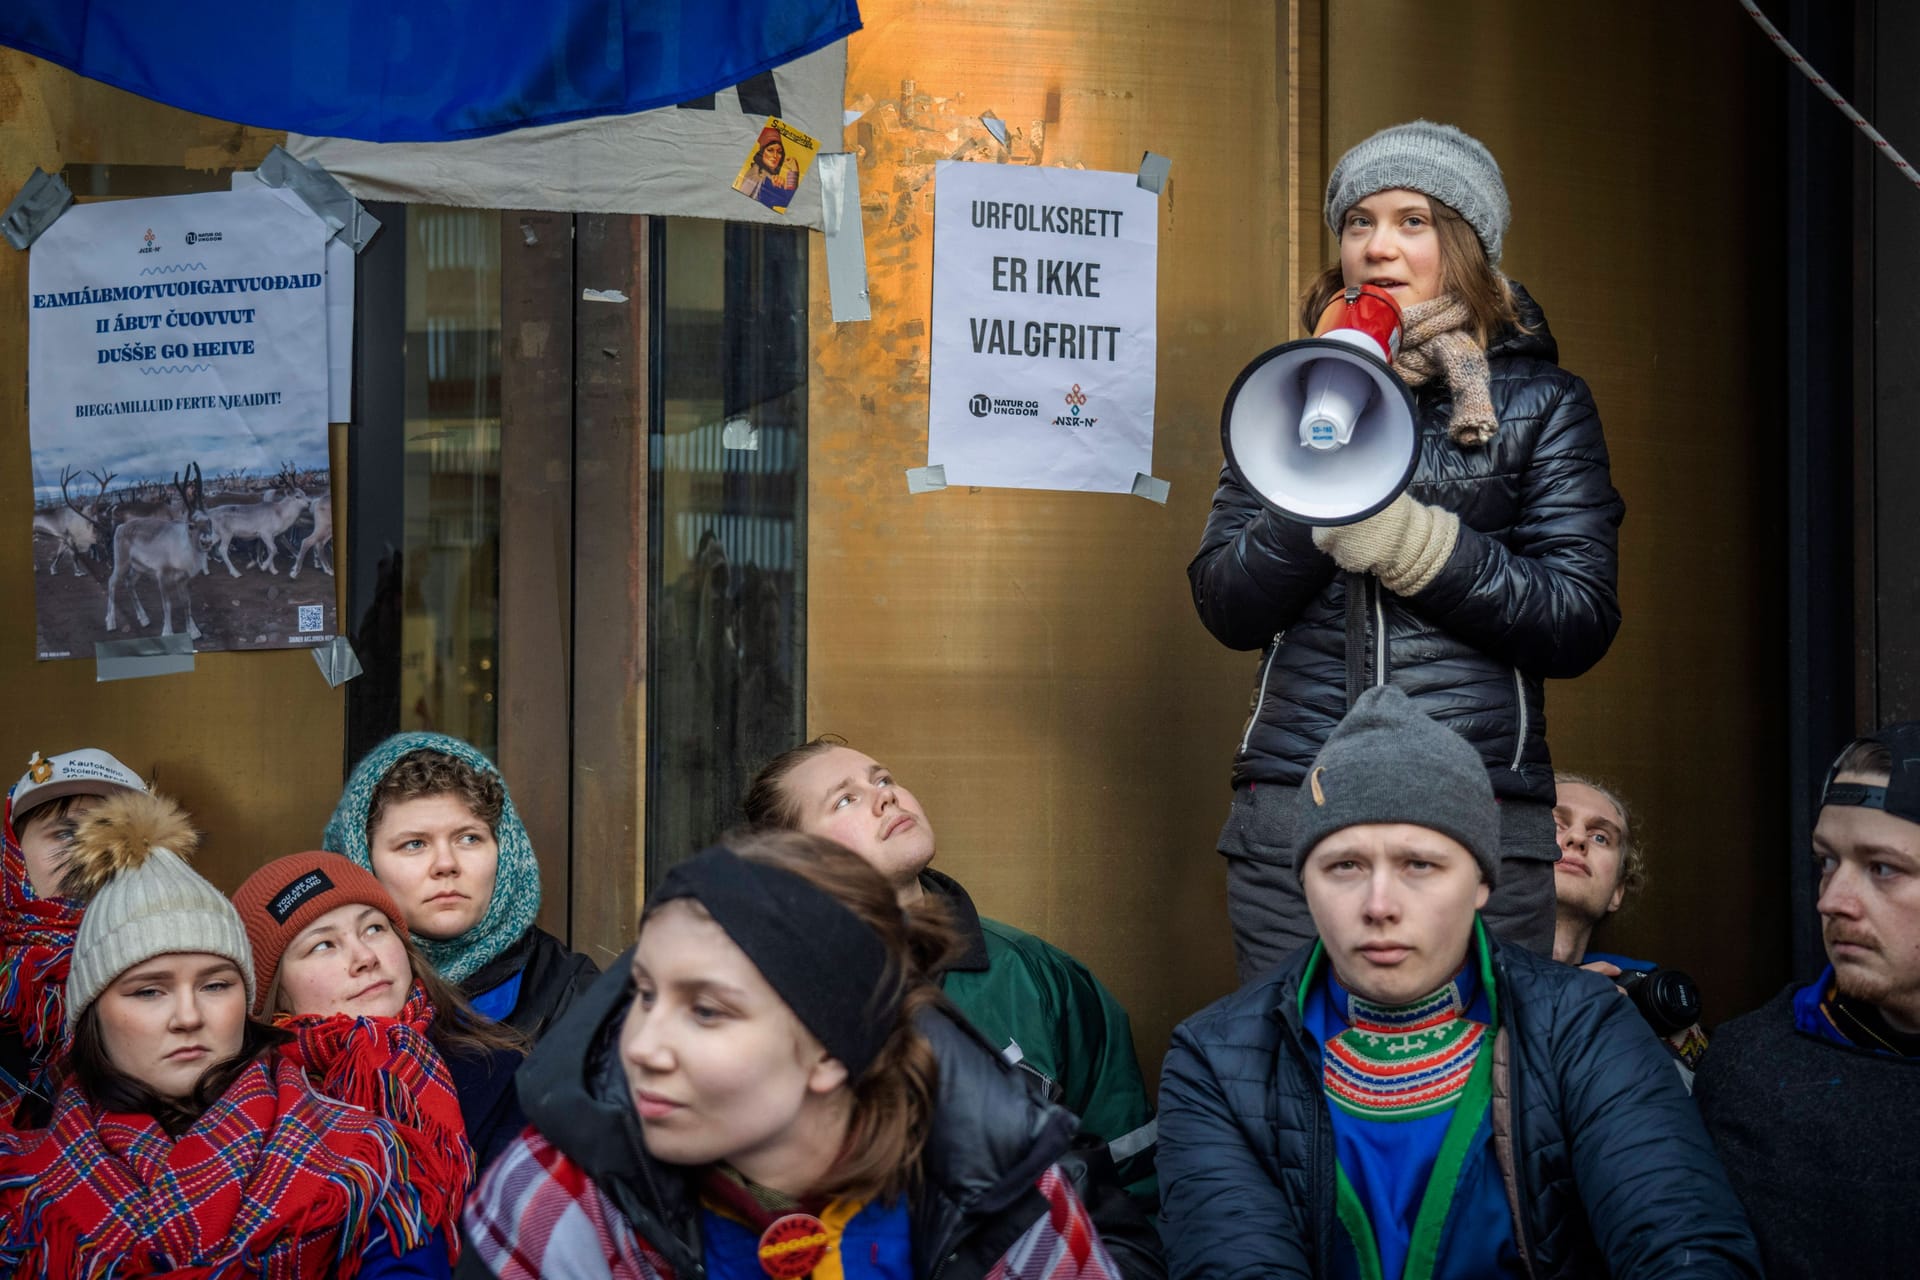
pixel 1408 1088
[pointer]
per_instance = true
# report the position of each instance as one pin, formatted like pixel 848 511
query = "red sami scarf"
pixel 36 950
pixel 389 1067
pixel 272 1181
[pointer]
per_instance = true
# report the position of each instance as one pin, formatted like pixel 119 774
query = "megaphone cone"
pixel 1322 430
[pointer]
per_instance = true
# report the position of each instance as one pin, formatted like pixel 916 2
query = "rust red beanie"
pixel 290 893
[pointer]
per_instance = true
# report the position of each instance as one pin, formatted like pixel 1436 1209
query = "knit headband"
pixel 823 960
pixel 1901 794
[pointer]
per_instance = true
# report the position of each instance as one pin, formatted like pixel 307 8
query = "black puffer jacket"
pixel 551 978
pixel 992 1137
pixel 1528 594
pixel 1606 1161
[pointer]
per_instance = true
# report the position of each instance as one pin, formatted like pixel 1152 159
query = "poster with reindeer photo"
pixel 177 403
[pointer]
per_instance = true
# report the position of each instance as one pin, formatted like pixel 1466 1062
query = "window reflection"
pixel 727 501
pixel 450 620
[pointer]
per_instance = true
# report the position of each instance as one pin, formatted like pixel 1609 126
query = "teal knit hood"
pixel 516 886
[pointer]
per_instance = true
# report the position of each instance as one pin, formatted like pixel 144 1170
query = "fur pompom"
pixel 118 834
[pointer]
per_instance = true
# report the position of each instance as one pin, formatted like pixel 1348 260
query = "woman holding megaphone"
pixel 1492 572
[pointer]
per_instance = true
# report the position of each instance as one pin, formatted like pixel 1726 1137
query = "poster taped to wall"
pixel 770 175
pixel 177 405
pixel 1044 340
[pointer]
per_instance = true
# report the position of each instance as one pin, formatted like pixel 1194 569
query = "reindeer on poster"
pixel 263 521
pixel 322 535
pixel 75 529
pixel 173 551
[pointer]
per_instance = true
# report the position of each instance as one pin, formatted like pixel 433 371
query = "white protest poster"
pixel 177 407
pixel 1044 291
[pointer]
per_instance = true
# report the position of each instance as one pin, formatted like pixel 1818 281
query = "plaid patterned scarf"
pixel 273 1182
pixel 536 1213
pixel 389 1067
pixel 36 950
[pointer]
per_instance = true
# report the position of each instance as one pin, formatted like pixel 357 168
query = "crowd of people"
pixel 818 1059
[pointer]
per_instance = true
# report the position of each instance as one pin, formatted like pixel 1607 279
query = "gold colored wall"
pixel 1646 223
pixel 250 743
pixel 1029 662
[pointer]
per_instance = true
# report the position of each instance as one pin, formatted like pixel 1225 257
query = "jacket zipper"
pixel 1527 1251
pixel 1520 739
pixel 1260 697
pixel 1379 632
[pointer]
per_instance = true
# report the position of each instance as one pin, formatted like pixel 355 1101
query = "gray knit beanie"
pixel 128 864
pixel 1389 762
pixel 1436 160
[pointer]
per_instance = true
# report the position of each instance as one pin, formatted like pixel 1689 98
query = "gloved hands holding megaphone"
pixel 1405 545
pixel 1321 430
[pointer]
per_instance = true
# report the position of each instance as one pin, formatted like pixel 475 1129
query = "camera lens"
pixel 1666 998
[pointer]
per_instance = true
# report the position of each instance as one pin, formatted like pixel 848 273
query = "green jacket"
pixel 1049 1016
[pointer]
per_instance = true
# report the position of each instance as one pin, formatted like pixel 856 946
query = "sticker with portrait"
pixel 773 169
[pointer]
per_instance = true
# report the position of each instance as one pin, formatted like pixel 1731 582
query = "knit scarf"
pixel 273 1181
pixel 389 1067
pixel 36 950
pixel 1437 339
pixel 516 884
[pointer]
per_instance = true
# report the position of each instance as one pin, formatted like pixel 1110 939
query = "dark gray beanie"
pixel 1389 762
pixel 1436 160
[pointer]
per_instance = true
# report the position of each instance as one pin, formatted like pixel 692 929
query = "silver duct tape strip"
pixel 1153 172
pixel 142 656
pixel 337 661
pixel 927 479
pixel 1152 488
pixel 37 207
pixel 846 241
pixel 323 194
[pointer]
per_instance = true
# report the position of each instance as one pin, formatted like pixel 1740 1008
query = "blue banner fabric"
pixel 421 70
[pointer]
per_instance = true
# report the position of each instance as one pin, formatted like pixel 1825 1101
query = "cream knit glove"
pixel 1406 545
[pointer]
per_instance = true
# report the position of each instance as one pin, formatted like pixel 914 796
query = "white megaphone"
pixel 1322 430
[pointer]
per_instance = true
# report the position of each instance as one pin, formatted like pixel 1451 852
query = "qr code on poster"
pixel 312 617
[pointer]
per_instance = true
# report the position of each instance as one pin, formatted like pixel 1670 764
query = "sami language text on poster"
pixel 1043 327
pixel 177 403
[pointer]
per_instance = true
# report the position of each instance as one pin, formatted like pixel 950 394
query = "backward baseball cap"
pixel 86 772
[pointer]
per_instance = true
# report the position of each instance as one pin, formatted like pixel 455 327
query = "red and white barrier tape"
pixel 1833 96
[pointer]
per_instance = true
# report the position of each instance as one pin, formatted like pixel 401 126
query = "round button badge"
pixel 793 1246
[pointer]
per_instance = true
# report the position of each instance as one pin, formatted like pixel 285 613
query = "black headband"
pixel 1901 795
pixel 823 960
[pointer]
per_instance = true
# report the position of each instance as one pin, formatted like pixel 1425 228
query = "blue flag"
pixel 421 70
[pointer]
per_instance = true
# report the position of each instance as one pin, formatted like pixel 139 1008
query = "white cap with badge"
pixel 86 772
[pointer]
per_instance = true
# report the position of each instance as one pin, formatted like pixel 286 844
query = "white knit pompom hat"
pixel 128 864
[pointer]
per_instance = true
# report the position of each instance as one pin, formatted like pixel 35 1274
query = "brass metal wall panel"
pixel 1634 138
pixel 1030 662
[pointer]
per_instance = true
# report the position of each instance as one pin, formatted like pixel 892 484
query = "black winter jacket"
pixel 551 977
pixel 1528 594
pixel 992 1137
pixel 1606 1161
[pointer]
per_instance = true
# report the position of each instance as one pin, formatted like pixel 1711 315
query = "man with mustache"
pixel 1408 1096
pixel 1811 1098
